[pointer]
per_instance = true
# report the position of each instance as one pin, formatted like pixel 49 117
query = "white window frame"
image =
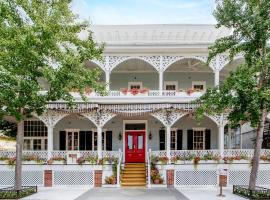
pixel 199 129
pixel 134 83
pixel 32 138
pixel 171 83
pixel 199 83
pixel 175 132
pixel 93 139
pixel 72 130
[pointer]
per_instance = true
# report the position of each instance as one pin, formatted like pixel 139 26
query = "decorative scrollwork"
pixel 167 61
pixel 50 118
pixel 168 116
pixel 99 117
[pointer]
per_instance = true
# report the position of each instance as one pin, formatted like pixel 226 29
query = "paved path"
pixel 132 194
pixel 209 193
pixel 57 193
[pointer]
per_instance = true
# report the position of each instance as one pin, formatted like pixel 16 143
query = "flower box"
pixel 58 162
pixel 189 162
pixel 240 161
pixel 3 162
pixel 196 94
pixel 179 162
pixel 30 162
pixel 208 162
pixel 182 94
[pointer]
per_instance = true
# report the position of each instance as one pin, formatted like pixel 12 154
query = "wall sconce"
pixel 150 136
pixel 120 136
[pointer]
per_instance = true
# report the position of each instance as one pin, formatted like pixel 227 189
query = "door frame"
pixel 124 135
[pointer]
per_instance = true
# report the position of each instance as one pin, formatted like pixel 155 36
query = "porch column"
pixel 107 74
pixel 160 82
pixel 221 139
pixel 99 142
pixel 168 146
pixel 50 141
pixel 217 78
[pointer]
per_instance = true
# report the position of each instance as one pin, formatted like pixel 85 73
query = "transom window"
pixel 199 85
pixel 35 135
pixel 134 85
pixel 198 140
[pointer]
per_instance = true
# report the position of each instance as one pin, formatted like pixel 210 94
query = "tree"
pixel 9 129
pixel 40 42
pixel 245 95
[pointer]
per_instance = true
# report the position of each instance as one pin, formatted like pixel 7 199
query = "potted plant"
pixel 196 160
pixel 11 161
pixel 92 160
pixel 265 158
pixel 188 159
pixel 162 160
pixel 110 180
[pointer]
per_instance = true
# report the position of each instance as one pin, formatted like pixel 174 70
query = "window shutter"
pixel 88 140
pixel 179 139
pixel 108 140
pixel 82 140
pixel 190 139
pixel 161 140
pixel 62 140
pixel 207 139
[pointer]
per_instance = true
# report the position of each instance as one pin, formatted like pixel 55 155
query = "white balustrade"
pixel 158 153
pixel 110 154
pixel 199 153
pixel 88 153
pixel 39 154
pixel 240 152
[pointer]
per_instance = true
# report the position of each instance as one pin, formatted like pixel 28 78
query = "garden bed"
pixel 258 193
pixel 11 193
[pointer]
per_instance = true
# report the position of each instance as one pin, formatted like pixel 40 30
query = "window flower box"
pixel 3 162
pixel 57 161
pixel 179 162
pixel 30 162
pixel 134 92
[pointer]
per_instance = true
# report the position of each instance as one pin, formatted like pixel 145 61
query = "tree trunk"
pixel 257 151
pixel 19 145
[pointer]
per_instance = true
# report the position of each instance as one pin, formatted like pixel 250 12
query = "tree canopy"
pixel 40 42
pixel 245 94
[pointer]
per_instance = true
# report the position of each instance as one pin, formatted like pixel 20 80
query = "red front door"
pixel 135 147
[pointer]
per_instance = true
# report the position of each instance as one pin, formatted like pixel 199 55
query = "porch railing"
pixel 151 93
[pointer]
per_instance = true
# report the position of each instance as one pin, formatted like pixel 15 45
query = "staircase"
pixel 134 175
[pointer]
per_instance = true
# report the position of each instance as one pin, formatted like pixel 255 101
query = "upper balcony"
pixel 137 79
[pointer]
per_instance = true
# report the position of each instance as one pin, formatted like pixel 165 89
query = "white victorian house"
pixel 153 73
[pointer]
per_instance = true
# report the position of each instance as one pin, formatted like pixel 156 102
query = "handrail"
pixel 149 169
pixel 119 167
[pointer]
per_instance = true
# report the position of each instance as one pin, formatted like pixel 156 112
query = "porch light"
pixel 120 136
pixel 150 136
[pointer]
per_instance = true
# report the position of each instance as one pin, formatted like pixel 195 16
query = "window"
pixel 199 85
pixel 134 85
pixel 106 140
pixel 176 139
pixel 35 135
pixel 198 140
pixel 72 140
pixel 171 85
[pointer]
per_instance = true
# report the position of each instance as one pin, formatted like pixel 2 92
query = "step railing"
pixel 120 155
pixel 149 169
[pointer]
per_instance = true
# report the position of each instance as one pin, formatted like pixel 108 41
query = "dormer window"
pixel 171 85
pixel 199 85
pixel 134 85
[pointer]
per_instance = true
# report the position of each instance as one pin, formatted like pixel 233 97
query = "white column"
pixel 168 146
pixel 216 78
pixel 107 74
pixel 160 82
pixel 99 142
pixel 50 141
pixel 221 139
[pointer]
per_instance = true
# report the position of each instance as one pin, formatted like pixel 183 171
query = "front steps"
pixel 134 175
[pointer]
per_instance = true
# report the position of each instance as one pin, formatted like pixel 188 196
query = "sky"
pixel 145 11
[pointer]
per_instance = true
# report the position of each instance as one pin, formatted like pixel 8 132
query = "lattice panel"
pixel 70 178
pixel 196 178
pixel 241 177
pixel 28 178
